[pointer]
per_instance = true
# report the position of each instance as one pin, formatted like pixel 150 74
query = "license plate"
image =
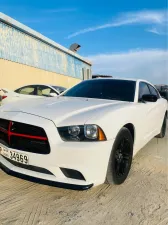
pixel 15 156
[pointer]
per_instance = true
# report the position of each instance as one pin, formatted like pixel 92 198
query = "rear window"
pixel 28 90
pixel 122 90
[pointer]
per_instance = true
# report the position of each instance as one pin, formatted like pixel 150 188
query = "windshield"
pixel 122 90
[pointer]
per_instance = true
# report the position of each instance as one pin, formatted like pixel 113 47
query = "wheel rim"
pixel 122 158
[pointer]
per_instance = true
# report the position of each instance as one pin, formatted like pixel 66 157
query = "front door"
pixel 148 113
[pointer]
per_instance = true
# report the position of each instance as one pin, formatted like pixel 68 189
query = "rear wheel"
pixel 163 129
pixel 121 158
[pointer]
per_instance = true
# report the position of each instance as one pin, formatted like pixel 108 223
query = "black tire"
pixel 163 129
pixel 121 158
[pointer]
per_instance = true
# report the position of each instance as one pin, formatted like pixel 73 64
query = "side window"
pixel 153 91
pixel 143 90
pixel 44 91
pixel 29 90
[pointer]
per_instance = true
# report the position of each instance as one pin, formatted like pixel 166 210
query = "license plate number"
pixel 15 156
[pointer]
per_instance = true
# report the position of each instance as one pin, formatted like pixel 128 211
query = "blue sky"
pixel 122 38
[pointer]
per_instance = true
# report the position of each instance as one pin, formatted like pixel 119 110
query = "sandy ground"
pixel 141 200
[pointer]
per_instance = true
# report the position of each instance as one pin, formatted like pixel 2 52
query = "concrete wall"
pixel 14 75
pixel 28 57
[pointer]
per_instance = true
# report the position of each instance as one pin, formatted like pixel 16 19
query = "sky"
pixel 123 38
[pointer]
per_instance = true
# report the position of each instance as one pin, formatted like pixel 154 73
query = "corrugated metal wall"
pixel 14 75
pixel 19 47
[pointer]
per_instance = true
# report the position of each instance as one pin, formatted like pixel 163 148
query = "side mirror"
pixel 149 98
pixel 53 95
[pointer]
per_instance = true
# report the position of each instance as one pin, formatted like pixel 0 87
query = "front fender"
pixel 112 121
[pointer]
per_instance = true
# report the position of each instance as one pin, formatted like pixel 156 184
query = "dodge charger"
pixel 85 137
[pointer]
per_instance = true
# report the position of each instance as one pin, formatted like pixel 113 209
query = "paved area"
pixel 141 200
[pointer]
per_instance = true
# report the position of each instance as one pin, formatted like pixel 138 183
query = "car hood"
pixel 62 110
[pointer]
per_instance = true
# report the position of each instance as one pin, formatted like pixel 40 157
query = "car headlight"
pixel 82 133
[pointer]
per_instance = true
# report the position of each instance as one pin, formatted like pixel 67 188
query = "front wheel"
pixel 121 158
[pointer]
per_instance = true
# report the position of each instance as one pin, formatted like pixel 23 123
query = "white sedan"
pixel 32 91
pixel 83 138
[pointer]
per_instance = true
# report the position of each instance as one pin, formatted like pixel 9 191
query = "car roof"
pixel 48 85
pixel 53 85
pixel 119 78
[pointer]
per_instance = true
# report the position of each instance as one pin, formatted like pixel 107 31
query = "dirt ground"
pixel 141 200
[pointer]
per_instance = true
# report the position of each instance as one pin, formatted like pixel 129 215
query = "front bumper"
pixel 89 158
pixel 45 182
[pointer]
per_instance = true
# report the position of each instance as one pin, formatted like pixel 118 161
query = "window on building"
pixel 83 73
pixel 86 74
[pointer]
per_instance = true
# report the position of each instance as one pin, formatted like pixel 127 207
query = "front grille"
pixel 28 129
pixel 24 137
